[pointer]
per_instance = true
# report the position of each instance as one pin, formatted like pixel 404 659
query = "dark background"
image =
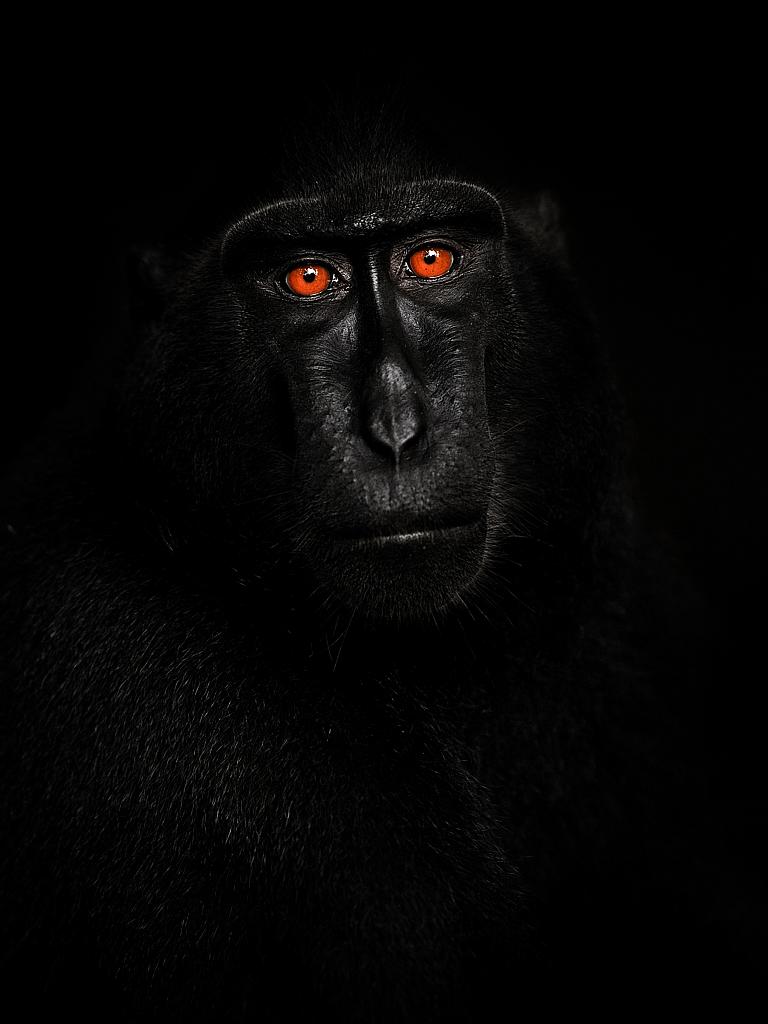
pixel 662 192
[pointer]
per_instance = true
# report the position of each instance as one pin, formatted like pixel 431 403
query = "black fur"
pixel 258 772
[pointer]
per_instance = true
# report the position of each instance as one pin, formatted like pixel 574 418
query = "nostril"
pixel 394 430
pixel 411 440
pixel 394 421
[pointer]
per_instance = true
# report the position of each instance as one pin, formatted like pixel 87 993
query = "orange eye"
pixel 308 279
pixel 431 261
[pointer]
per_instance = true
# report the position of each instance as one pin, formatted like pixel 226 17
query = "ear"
pixel 549 224
pixel 151 274
pixel 539 215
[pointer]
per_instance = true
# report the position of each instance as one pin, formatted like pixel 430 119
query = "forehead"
pixel 357 213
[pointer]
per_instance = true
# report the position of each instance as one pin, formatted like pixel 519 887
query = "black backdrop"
pixel 662 196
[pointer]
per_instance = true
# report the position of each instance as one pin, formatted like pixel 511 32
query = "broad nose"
pixel 395 420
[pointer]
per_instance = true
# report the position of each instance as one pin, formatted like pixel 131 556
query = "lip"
pixel 412 538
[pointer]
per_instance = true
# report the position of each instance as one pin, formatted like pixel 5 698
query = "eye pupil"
pixel 310 274
pixel 430 256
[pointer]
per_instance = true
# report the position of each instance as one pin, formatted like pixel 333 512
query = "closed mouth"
pixel 406 538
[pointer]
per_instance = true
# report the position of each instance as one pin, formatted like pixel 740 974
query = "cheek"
pixel 325 424
pixel 456 388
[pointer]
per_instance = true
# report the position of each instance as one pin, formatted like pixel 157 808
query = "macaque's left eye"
pixel 431 261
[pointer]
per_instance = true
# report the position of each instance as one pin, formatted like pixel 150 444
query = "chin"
pixel 406 576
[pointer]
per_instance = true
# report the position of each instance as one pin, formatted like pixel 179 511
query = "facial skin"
pixel 384 367
pixel 353 360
